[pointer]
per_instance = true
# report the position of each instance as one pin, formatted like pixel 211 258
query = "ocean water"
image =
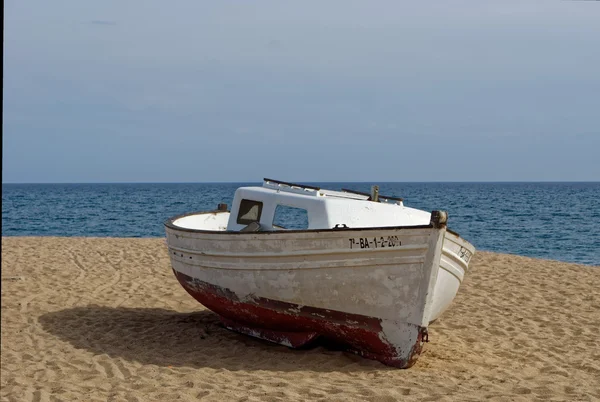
pixel 559 221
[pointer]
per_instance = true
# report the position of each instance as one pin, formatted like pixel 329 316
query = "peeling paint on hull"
pixel 291 287
pixel 293 325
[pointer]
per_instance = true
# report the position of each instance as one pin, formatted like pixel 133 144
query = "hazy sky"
pixel 189 90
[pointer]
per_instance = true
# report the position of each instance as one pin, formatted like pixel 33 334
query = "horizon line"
pixel 310 181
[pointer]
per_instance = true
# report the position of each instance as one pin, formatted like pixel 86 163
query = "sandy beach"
pixel 89 319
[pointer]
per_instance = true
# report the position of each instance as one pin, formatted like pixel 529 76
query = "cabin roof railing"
pixel 288 184
pixel 291 187
pixel 314 191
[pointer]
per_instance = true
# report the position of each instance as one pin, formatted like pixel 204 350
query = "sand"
pixel 86 319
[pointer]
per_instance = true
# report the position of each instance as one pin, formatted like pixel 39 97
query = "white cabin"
pixel 324 209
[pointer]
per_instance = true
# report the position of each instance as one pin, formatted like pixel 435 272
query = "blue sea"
pixel 559 221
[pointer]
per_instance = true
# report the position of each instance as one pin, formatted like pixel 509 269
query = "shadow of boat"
pixel 167 338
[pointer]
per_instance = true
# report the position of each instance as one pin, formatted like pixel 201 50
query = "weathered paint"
pixel 294 326
pixel 451 274
pixel 316 269
pixel 290 287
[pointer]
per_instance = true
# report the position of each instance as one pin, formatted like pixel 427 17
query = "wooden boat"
pixel 365 271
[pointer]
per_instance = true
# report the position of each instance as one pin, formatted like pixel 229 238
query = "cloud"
pixel 104 22
pixel 275 45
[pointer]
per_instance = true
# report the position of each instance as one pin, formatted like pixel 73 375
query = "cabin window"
pixel 249 212
pixel 290 218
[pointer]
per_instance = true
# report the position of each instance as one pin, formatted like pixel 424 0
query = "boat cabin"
pixel 307 207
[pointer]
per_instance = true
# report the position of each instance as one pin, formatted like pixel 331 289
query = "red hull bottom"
pixel 294 326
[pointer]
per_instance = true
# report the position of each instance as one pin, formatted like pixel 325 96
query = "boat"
pixel 359 269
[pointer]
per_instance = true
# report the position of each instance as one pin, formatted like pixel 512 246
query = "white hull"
pixel 386 274
pixel 456 255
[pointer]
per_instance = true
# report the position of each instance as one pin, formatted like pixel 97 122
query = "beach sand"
pixel 87 319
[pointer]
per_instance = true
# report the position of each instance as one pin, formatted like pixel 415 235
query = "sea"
pixel 558 221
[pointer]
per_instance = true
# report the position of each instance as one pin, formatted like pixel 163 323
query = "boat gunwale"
pixel 169 223
pixel 454 233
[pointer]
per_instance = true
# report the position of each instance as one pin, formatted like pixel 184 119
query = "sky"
pixel 222 91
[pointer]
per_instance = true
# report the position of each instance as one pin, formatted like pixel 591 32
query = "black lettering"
pixel 362 243
pixel 464 254
pixel 367 243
